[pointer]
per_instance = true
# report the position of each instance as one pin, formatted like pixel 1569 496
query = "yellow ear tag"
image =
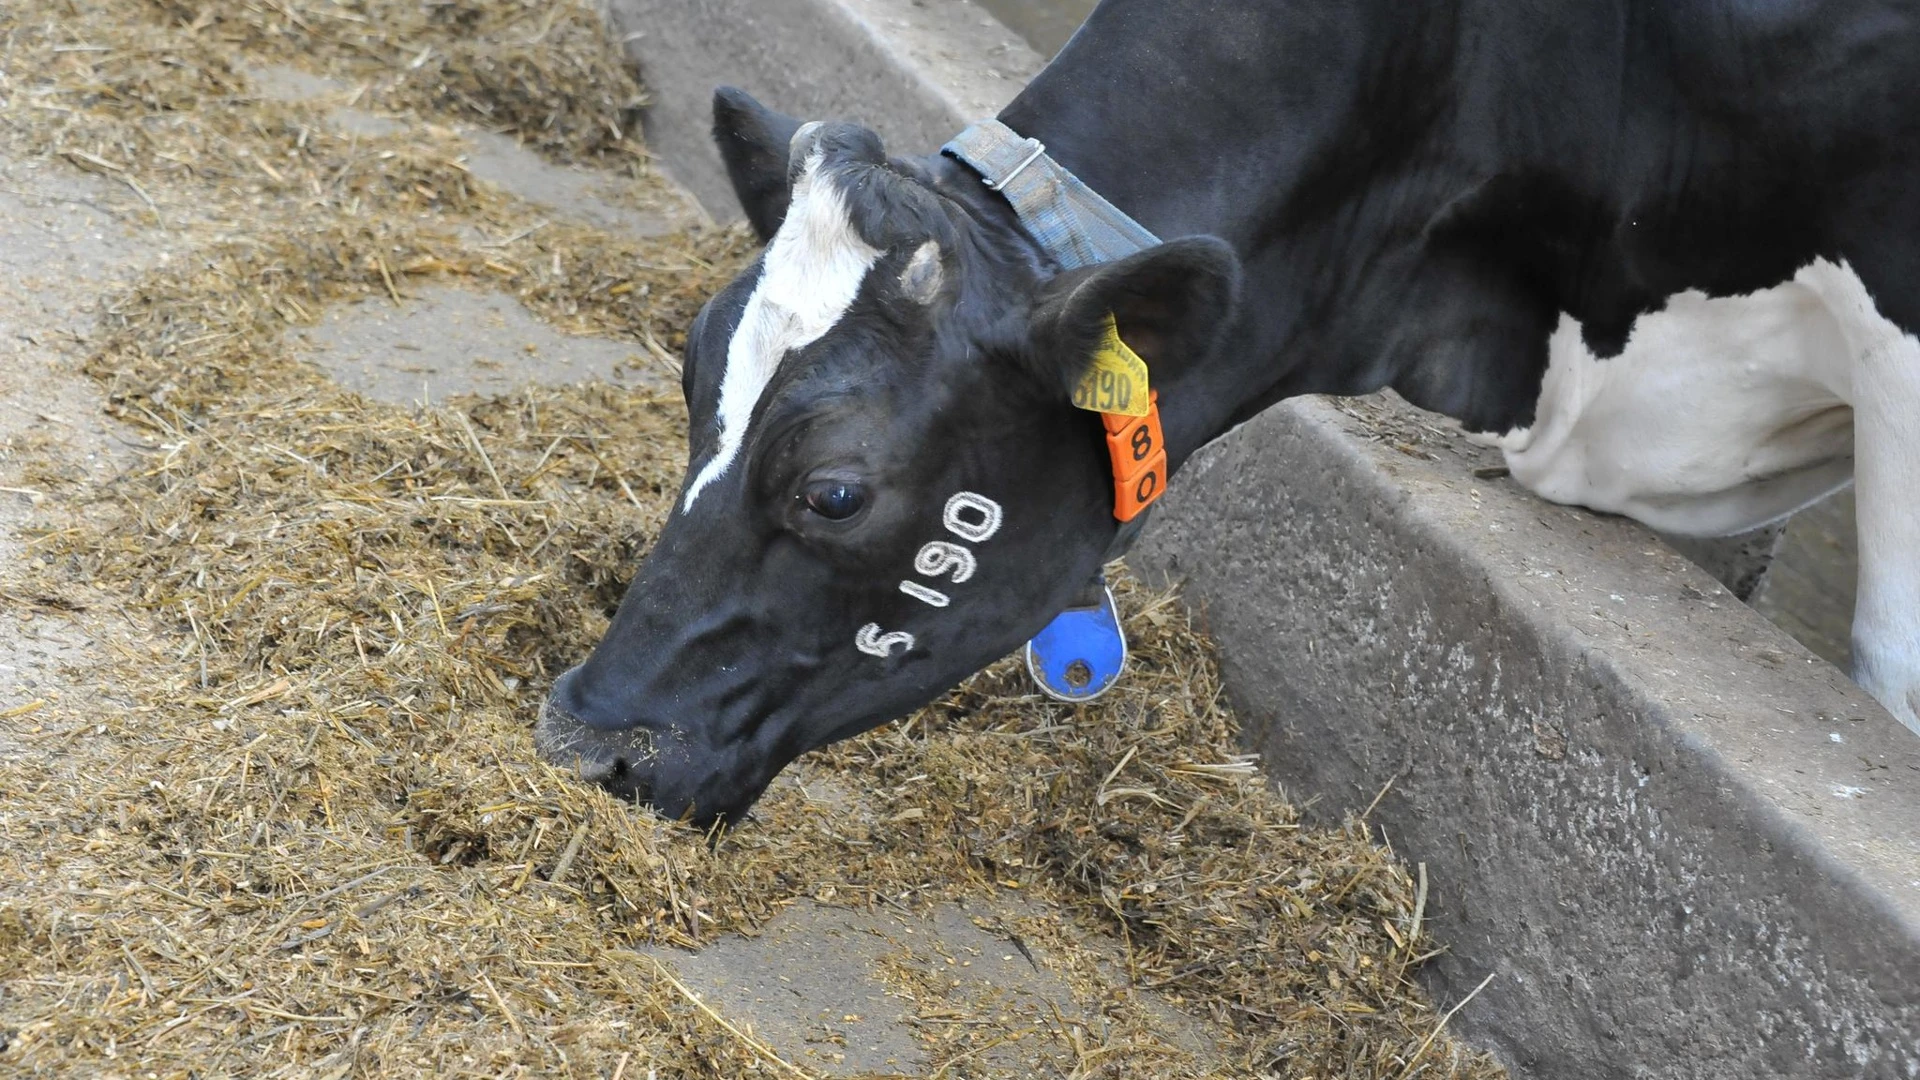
pixel 1116 379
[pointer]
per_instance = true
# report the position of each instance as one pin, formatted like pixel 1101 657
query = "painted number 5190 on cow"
pixel 971 517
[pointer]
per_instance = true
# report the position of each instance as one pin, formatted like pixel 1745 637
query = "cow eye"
pixel 835 500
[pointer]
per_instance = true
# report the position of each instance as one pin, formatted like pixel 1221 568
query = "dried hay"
pixel 546 72
pixel 311 837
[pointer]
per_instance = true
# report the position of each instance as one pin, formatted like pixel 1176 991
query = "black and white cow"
pixel 1671 249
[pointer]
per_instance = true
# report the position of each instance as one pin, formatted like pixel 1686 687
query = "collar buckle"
pixel 1039 149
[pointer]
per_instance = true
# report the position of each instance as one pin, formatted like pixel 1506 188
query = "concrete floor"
pixel 1046 24
pixel 448 340
pixel 62 234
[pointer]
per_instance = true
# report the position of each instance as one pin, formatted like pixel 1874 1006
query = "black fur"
pixel 753 141
pixel 1169 303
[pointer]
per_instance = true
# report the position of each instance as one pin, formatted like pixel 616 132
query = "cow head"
pixel 887 487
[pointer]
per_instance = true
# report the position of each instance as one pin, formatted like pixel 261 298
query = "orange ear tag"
pixel 1139 459
pixel 1115 386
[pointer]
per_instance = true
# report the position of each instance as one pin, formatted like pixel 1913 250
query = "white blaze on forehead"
pixel 810 276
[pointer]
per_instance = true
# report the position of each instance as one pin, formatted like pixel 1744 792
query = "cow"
pixel 1668 254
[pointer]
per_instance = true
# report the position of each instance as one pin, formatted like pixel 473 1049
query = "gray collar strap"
pixel 1068 219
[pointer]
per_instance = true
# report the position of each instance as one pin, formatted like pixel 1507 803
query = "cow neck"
pixel 1076 228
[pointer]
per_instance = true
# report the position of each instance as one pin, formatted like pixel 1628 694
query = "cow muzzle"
pixel 655 765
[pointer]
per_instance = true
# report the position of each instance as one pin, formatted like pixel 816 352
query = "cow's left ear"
pixel 755 143
pixel 1171 304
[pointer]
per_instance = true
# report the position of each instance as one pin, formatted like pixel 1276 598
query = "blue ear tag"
pixel 1081 653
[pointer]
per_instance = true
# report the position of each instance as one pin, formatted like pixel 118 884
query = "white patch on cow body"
pixel 810 275
pixel 1719 416
pixel 1722 415
pixel 1885 394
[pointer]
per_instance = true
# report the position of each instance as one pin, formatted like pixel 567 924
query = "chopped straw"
pixel 302 829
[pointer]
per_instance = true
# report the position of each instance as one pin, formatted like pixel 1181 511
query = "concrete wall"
pixel 916 72
pixel 1686 846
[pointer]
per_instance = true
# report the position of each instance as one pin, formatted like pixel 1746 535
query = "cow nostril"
pixel 621 768
pixel 1079 674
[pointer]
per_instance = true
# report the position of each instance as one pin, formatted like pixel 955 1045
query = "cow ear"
pixel 755 143
pixel 1171 303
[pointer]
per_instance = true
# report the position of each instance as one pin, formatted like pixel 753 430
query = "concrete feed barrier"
pixel 914 72
pixel 1682 845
